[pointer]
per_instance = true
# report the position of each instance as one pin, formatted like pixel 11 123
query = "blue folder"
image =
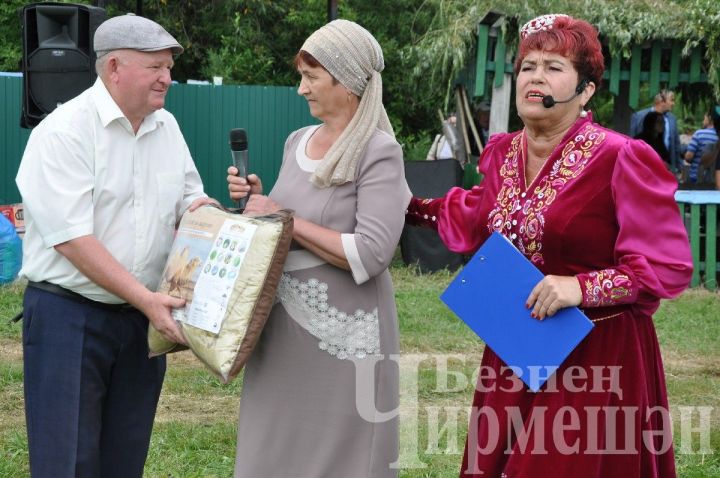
pixel 489 295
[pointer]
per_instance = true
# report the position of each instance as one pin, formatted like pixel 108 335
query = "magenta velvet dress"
pixel 601 209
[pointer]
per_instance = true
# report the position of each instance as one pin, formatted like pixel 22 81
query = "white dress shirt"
pixel 85 172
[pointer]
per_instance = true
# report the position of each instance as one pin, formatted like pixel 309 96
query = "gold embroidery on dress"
pixel 606 287
pixel 520 216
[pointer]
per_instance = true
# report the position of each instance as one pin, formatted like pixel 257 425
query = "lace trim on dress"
pixel 341 334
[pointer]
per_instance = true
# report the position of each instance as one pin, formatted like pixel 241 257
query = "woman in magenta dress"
pixel 594 211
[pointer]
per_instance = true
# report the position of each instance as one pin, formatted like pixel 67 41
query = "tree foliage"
pixel 197 24
pixel 426 44
pixel 442 51
pixel 255 41
pixel 262 41
pixel 10 35
pixel 266 36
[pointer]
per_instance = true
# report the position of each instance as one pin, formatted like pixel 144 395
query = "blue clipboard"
pixel 489 295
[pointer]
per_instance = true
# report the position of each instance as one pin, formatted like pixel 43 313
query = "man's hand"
pixel 95 261
pixel 199 202
pixel 552 294
pixel 158 309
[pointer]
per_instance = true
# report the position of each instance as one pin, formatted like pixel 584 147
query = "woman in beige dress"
pixel 320 392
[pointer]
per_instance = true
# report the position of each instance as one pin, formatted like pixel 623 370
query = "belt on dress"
pixel 598 314
pixel 68 294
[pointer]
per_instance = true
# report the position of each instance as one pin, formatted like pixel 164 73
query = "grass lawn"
pixel 194 434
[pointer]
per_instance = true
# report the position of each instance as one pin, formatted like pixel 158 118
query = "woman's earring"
pixel 583 114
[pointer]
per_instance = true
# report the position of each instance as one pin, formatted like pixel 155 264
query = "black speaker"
pixel 58 58
pixel 430 179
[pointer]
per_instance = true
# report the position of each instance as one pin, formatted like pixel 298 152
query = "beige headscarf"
pixel 352 56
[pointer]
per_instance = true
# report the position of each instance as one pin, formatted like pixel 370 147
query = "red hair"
pixel 571 38
pixel 311 61
pixel 306 58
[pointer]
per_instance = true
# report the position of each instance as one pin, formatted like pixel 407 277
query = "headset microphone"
pixel 548 101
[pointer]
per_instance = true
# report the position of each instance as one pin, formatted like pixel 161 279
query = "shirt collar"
pixel 109 111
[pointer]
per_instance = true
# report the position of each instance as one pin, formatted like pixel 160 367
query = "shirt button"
pixel 523 195
pixel 513 236
pixel 514 223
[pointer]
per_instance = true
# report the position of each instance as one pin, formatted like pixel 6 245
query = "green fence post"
pixel 615 68
pixel 481 59
pixel 635 64
pixel 655 59
pixel 695 243
pixel 695 65
pixel 710 247
pixel 675 64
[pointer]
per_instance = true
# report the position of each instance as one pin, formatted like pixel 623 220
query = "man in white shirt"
pixel 104 179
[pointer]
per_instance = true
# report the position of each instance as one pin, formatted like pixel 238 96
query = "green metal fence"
pixel 13 137
pixel 206 113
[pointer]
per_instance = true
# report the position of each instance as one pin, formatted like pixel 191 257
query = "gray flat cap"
pixel 134 33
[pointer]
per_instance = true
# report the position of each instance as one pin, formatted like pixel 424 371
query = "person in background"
pixel 321 389
pixel 702 141
pixel 595 211
pixel 652 133
pixel 663 103
pixel 687 132
pixel 104 179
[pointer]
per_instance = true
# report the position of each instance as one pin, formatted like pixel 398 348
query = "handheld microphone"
pixel 548 101
pixel 239 151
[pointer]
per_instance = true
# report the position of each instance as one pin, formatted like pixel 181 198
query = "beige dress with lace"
pixel 320 391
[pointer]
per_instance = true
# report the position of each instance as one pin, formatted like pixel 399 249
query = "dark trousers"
pixel 90 389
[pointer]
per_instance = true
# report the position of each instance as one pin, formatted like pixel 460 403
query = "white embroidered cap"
pixel 541 23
